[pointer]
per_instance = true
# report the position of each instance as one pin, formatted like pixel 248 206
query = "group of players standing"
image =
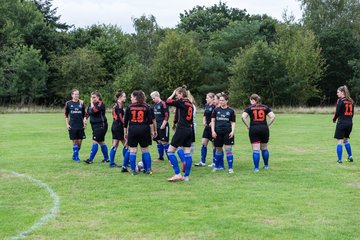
pixel 140 123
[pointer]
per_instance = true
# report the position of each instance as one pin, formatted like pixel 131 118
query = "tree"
pixel 206 20
pixel 303 61
pixel 24 77
pixel 81 69
pixel 337 28
pixel 257 69
pixel 177 62
pixel 286 73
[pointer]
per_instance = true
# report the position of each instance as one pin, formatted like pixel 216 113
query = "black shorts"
pixel 183 137
pixel 259 134
pixel 139 135
pixel 99 132
pixel 117 132
pixel 163 134
pixel 343 130
pixel 77 134
pixel 207 133
pixel 222 139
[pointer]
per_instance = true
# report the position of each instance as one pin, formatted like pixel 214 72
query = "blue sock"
pixel 265 155
pixel 218 157
pixel 93 151
pixel 181 154
pixel 132 161
pixel 348 148
pixel 160 149
pixel 76 152
pixel 166 147
pixel 229 158
pixel 112 155
pixel 126 158
pixel 188 163
pixel 339 151
pixel 104 150
pixel 203 153
pixel 222 160
pixel 124 150
pixel 174 162
pixel 256 158
pixel 214 153
pixel 147 160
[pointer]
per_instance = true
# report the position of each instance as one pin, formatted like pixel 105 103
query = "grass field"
pixel 304 195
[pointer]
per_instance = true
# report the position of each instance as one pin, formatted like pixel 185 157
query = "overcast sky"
pixel 82 13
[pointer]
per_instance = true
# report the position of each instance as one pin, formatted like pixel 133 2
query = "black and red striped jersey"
pixel 257 113
pixel 184 111
pixel 344 110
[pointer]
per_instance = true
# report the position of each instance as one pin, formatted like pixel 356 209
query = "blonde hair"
pixel 346 92
pixel 155 94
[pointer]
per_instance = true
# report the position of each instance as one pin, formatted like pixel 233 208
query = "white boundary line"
pixel 44 219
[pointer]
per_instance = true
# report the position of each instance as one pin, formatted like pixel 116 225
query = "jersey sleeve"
pixel 165 109
pixel 233 116
pixel 66 110
pixel 126 117
pixel 338 110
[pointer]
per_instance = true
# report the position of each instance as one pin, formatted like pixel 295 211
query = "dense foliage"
pixel 214 48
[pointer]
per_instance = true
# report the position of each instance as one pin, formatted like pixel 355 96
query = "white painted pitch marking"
pixel 44 219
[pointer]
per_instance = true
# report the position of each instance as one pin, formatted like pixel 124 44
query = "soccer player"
pixel 184 132
pixel 161 113
pixel 117 128
pixel 75 122
pixel 206 137
pixel 223 120
pixel 96 111
pixel 139 130
pixel 344 115
pixel 258 129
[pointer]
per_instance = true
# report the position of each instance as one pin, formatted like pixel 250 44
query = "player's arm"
pixel 212 125
pixel 166 116
pixel 272 118
pixel 233 120
pixel 66 112
pixel 337 111
pixel 243 118
pixel 126 123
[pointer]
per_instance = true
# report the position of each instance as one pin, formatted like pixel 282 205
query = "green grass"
pixel 304 195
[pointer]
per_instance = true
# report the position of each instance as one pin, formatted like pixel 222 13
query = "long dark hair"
pixel 97 93
pixel 255 97
pixel 346 92
pixel 139 95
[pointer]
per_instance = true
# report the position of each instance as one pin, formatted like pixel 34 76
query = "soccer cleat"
pixel 200 164
pixel 159 160
pixel 88 161
pixel 350 159
pixel 133 173
pixel 256 170
pixel 186 179
pixel 148 172
pixel 124 169
pixel 265 167
pixel 339 161
pixel 231 170
pixel 114 165
pixel 215 169
pixel 175 178
pixel 105 161
pixel 211 165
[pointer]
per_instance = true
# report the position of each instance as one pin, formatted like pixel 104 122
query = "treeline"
pixel 216 48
